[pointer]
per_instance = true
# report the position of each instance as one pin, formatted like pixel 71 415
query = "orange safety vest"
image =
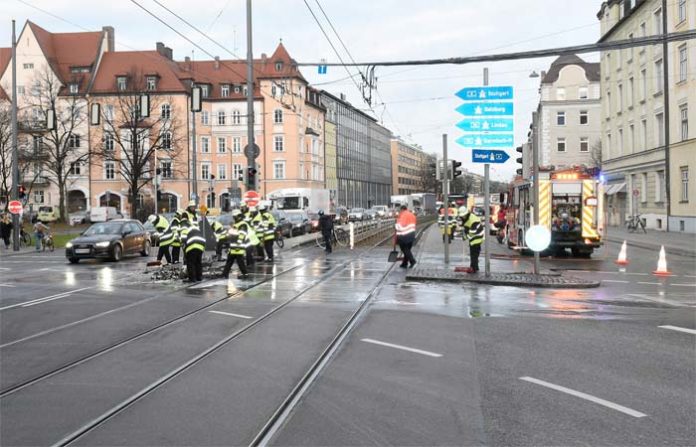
pixel 405 224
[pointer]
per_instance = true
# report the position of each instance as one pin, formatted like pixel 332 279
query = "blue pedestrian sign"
pixel 486 93
pixel 486 109
pixel 322 69
pixel 489 156
pixel 486 125
pixel 486 141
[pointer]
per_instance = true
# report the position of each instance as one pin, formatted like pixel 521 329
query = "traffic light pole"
pixel 445 197
pixel 16 221
pixel 486 203
pixel 251 156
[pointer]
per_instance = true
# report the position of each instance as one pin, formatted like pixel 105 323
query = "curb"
pixel 505 279
pixel 648 246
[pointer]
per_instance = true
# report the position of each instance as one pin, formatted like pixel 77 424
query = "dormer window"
pixel 245 90
pixel 225 90
pixel 73 88
pixel 237 89
pixel 204 91
pixel 121 83
pixel 279 66
pixel 151 83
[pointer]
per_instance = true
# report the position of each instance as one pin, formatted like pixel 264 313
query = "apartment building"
pixel 330 147
pixel 409 165
pixel 646 174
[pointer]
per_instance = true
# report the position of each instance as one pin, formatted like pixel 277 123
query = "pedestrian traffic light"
pixel 456 172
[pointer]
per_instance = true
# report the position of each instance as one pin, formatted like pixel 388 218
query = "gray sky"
pixel 420 101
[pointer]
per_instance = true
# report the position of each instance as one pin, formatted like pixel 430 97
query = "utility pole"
pixel 15 154
pixel 535 173
pixel 486 202
pixel 665 68
pixel 445 195
pixel 251 155
pixel 194 191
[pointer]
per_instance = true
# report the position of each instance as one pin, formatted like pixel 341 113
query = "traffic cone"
pixel 622 259
pixel 662 264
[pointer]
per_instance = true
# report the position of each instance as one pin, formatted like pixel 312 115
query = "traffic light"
pixel 456 172
pixel 251 178
pixel 519 160
pixel 22 192
pixel 432 170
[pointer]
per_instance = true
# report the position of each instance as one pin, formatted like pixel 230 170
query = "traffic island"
pixel 551 281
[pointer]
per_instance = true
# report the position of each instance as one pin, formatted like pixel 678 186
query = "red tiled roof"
pixel 5 56
pixel 140 63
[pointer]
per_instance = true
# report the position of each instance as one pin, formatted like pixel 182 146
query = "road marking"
pixel 680 329
pixel 649 283
pixel 403 348
pixel 4 268
pixel 682 285
pixel 230 314
pixel 44 299
pixel 7 285
pixel 615 280
pixel 581 395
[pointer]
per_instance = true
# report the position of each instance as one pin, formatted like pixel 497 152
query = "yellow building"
pixel 330 158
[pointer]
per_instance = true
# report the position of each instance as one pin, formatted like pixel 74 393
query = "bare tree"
pixel 596 154
pixel 133 142
pixel 428 175
pixel 60 147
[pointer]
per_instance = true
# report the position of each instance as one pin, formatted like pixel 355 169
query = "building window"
pixel 166 112
pixel 225 90
pixel 74 88
pixel 631 92
pixel 583 117
pixel 205 91
pixel 643 33
pixel 621 141
pixel 222 145
pixel 221 118
pixel 643 84
pixel 278 143
pixel 644 187
pixel 238 172
pixel 684 183
pixel 205 118
pixel 657 18
pixel 109 170
pixel 684 113
pixel 121 83
pixel 279 170
pixel 28 66
pixel 560 118
pixel 561 145
pixel 222 172
pixel 237 89
pixel 205 171
pixel 608 103
pixel 619 99
pixel 236 117
pixel 560 94
pixel 151 83
pixel 278 66
pixel 659 78
pixel 108 141
pixel 236 144
pixel 582 93
pixel 166 169
pixel 245 90
pixel 109 112
pixel 659 186
pixel 75 168
pixel 631 138
pixel 584 144
pixel 167 141
pixel 73 141
pixel 205 145
pixel 630 50
pixel 660 129
pixel 610 149
pixel 682 10
pixel 278 116
pixel 683 64
pixel 39 196
pixel 644 131
pixel 274 91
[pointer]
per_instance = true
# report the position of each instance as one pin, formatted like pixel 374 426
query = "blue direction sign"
pixel 486 109
pixel 489 156
pixel 321 69
pixel 487 125
pixel 485 93
pixel 474 140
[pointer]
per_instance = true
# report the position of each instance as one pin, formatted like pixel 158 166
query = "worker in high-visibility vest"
pixel 451 222
pixel 175 226
pixel 238 240
pixel 406 235
pixel 472 231
pixel 193 252
pixel 165 235
pixel 241 223
pixel 265 224
pixel 220 238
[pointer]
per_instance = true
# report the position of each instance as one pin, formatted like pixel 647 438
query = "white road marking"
pixel 612 273
pixel 615 280
pixel 4 268
pixel 231 314
pixel 680 329
pixel 403 348
pixel 7 285
pixel 581 395
pixel 683 285
pixel 649 283
pixel 44 299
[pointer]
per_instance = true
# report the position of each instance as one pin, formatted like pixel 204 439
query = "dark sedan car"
pixel 282 223
pixel 300 223
pixel 110 240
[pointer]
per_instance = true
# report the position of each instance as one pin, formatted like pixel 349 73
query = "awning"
pixel 615 189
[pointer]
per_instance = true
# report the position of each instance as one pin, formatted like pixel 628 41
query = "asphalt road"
pixel 429 364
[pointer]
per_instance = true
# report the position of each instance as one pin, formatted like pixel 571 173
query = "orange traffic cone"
pixel 622 259
pixel 662 264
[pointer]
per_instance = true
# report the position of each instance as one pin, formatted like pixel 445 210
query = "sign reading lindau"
pixel 474 140
pixel 489 156
pixel 486 109
pixel 486 125
pixel 485 93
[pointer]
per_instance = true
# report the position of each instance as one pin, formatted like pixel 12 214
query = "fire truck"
pixel 571 206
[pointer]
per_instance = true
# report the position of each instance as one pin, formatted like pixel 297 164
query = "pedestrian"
pixel 165 236
pixel 191 212
pixel 473 231
pixel 267 226
pixel 238 240
pixel 326 226
pixel 220 238
pixel 6 229
pixel 406 235
pixel 40 230
pixel 241 224
pixel 175 225
pixel 193 253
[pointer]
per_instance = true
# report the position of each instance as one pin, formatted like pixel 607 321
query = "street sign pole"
pixel 445 197
pixel 251 160
pixel 486 202
pixel 535 197
pixel 15 155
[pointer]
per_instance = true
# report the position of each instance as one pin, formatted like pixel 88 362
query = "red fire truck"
pixel 571 206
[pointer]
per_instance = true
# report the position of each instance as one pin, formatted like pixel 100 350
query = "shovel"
pixel 393 255
pixel 154 263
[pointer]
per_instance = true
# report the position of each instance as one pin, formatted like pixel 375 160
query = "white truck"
pixel 301 199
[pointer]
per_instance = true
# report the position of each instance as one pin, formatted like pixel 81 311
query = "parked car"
pixel 381 210
pixel 152 233
pixel 356 214
pixel 282 222
pixel 78 218
pixel 102 214
pixel 300 223
pixel 314 221
pixel 371 214
pixel 109 240
pixel 48 213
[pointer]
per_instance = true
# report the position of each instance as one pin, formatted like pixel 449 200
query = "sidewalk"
pixel 22 251
pixel 682 244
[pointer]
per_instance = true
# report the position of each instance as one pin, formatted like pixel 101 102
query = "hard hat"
pixel 253 209
pixel 152 218
pixel 236 213
pixel 263 207
pixel 191 203
pixel 463 210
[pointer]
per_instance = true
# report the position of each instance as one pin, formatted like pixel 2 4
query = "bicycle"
pixel 339 237
pixel 634 222
pixel 279 239
pixel 24 237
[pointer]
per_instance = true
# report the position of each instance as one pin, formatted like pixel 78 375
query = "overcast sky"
pixel 416 103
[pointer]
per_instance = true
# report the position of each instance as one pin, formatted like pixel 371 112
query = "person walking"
pixel 6 230
pixel 326 226
pixel 40 230
pixel 472 230
pixel 193 253
pixel 406 235
pixel 166 236
pixel 265 224
pixel 239 240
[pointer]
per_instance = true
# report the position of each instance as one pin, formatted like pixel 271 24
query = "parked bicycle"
pixel 24 237
pixel 634 222
pixel 279 239
pixel 339 237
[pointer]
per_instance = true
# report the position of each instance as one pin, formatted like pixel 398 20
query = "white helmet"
pixel 152 218
pixel 463 210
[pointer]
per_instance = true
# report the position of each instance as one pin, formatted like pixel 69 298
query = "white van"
pixel 103 213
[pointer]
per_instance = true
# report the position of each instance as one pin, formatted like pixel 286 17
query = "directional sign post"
pixel 489 156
